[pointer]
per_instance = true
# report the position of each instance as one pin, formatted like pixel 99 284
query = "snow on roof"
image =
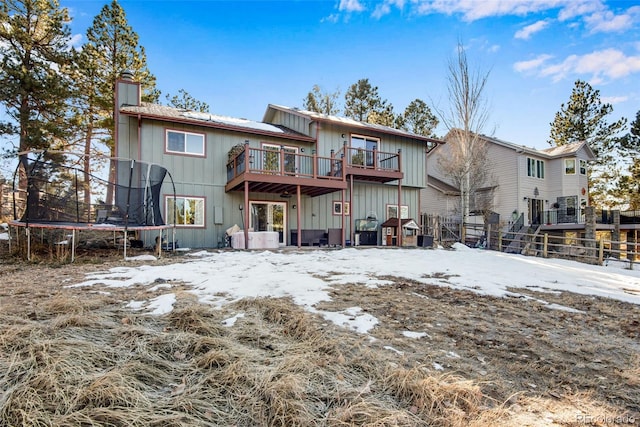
pixel 563 150
pixel 232 121
pixel 559 151
pixel 348 122
pixel 208 119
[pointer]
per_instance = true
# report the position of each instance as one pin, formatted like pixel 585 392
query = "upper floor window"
pixel 570 166
pixel 535 168
pixel 362 150
pixel 185 142
pixel 583 167
pixel 188 211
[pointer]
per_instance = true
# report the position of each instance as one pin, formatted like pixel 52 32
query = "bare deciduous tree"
pixel 466 161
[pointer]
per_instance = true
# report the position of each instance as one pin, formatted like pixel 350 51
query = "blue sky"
pixel 239 56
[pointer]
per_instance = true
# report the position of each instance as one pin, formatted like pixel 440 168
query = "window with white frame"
pixel 570 166
pixel 583 167
pixel 535 168
pixel 392 211
pixel 185 142
pixel 362 150
pixel 188 211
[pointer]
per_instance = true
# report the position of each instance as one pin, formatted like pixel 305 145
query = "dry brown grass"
pixel 73 357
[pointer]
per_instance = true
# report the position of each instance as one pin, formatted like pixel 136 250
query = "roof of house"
pixel 179 115
pixel 406 223
pixel 548 153
pixel 347 122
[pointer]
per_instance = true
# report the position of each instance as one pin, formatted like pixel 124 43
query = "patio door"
pixel 536 210
pixel 269 216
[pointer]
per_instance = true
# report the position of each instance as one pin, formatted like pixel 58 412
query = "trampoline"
pixel 52 192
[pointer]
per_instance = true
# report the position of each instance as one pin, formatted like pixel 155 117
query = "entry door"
pixel 536 210
pixel 268 216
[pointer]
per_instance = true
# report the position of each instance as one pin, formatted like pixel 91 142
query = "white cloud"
pixel 75 41
pixel 577 8
pixel 350 6
pixel 384 8
pixel 602 65
pixel 527 31
pixel 606 21
pixel 614 99
pixel 473 9
pixel 532 64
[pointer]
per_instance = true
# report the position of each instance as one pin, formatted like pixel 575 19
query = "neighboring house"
pixel 312 178
pixel 539 187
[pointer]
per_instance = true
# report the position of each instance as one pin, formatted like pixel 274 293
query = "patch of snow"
pixel 554 306
pixel 232 320
pixel 4 236
pixel 416 335
pixel 145 257
pixel 437 366
pixel 135 305
pixel 162 304
pixel 308 277
pixel 388 347
pixel 232 121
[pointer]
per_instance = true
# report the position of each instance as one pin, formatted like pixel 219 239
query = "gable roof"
pixel 568 150
pixel 179 115
pixel 350 123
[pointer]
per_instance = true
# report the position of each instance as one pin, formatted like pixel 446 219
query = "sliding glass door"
pixel 269 216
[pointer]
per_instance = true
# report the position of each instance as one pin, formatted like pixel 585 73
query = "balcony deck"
pixel 371 165
pixel 280 171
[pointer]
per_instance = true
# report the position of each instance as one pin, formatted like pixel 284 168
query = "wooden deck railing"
pixel 285 163
pixel 370 159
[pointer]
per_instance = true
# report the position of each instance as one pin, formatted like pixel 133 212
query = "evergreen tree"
pixel 322 102
pixel 35 88
pixel 418 118
pixel 112 47
pixel 185 101
pixel 583 118
pixel 384 116
pixel 628 189
pixel 361 100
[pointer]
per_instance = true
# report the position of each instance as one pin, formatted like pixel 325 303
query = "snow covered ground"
pixel 219 278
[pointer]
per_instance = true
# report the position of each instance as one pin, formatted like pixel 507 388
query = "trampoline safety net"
pixel 59 192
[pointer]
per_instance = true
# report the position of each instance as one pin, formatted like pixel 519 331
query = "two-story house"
pixel 309 177
pixel 538 187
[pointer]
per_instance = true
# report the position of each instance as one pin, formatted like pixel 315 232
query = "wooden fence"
pixel 580 249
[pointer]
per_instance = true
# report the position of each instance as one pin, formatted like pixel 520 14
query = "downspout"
pixel 399 200
pixel 246 214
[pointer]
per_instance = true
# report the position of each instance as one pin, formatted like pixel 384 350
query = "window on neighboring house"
pixel 189 211
pixel 570 166
pixel 583 167
pixel 185 142
pixel 535 168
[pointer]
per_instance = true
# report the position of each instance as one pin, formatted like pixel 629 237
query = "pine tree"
pixel 35 89
pixel 185 101
pixel 112 47
pixel 583 119
pixel 628 189
pixel 418 118
pixel 361 100
pixel 384 116
pixel 322 102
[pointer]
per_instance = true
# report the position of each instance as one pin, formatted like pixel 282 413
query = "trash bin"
pixel 425 241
